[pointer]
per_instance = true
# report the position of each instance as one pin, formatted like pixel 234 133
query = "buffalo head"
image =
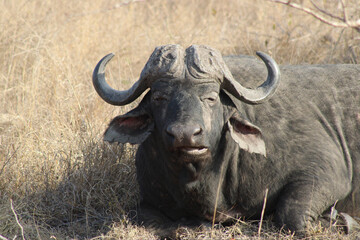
pixel 188 106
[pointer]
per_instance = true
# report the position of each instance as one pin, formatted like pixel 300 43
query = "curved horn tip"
pixel 263 55
pixel 267 58
pixel 270 63
pixel 260 53
pixel 110 55
pixel 102 63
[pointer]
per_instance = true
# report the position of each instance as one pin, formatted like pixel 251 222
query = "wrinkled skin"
pixel 201 147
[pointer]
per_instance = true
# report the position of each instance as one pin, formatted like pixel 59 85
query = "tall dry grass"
pixel 64 182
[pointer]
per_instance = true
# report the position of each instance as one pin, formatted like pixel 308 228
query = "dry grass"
pixel 65 183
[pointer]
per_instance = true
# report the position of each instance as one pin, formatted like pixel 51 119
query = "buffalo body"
pixel 205 148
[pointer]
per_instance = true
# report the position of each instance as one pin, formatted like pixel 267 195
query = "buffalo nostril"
pixel 171 131
pixel 197 131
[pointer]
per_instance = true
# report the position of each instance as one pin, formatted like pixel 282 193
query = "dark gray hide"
pixel 200 145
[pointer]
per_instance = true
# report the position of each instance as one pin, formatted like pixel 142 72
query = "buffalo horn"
pixel 265 90
pixel 110 95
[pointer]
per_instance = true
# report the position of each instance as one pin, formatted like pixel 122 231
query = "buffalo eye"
pixel 159 97
pixel 211 98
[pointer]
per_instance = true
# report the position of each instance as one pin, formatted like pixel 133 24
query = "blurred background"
pixel 57 178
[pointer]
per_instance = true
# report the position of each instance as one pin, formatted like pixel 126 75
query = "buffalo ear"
pixel 133 127
pixel 246 134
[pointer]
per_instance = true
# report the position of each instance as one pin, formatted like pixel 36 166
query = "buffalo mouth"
pixel 190 154
pixel 190 161
pixel 192 151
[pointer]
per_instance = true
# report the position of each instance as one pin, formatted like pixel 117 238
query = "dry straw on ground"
pixel 58 180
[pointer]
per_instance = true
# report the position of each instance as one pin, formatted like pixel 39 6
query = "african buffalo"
pixel 211 146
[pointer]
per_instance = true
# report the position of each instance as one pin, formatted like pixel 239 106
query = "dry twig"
pixel 3 238
pixel 263 212
pixel 17 219
pixel 323 15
